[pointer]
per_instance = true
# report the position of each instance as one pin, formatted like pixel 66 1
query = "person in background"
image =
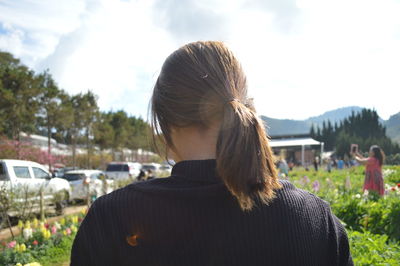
pixel 150 174
pixel 316 163
pixel 283 168
pixel 291 165
pixel 141 176
pixel 340 164
pixel 223 203
pixel 373 169
pixel 329 164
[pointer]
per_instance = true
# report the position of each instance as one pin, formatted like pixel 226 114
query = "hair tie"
pixel 237 100
pixel 231 100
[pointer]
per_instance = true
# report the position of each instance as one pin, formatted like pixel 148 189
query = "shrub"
pixel 370 249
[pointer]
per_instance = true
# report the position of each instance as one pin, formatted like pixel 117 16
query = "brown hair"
pixel 203 82
pixel 378 154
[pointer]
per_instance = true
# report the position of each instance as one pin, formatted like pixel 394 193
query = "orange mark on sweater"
pixel 132 240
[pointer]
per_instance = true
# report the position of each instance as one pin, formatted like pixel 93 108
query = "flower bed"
pixel 359 211
pixel 373 222
pixel 41 243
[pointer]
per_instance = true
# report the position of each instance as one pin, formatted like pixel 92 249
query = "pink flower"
pixel 53 229
pixel 68 231
pixel 393 188
pixel 35 242
pixel 316 186
pixel 12 244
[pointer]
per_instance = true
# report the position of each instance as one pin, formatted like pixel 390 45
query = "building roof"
pixel 293 142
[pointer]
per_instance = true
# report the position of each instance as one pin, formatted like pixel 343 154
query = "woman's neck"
pixel 194 143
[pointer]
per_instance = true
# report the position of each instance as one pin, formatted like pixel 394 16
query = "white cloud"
pixel 302 57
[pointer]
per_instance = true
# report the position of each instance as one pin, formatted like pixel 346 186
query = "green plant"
pixel 370 249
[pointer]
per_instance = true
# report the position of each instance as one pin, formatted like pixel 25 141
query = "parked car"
pixel 123 170
pixel 82 181
pixel 29 178
pixel 154 167
pixel 59 172
pixel 165 170
pixel 166 167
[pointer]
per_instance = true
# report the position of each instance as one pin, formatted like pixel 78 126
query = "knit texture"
pixel 191 218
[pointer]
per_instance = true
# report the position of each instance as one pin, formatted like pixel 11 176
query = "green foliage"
pixel 350 210
pixel 33 103
pixel 18 97
pixel 372 249
pixel 393 159
pixel 379 215
pixel 59 253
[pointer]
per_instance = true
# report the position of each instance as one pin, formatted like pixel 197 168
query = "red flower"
pixel 47 226
pixel 35 242
pixel 398 185
pixel 393 188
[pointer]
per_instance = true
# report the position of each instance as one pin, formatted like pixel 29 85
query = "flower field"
pixel 41 243
pixel 372 222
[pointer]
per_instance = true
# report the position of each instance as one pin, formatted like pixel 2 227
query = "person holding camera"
pixel 373 169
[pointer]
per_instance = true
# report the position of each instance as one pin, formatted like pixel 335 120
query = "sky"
pixel 301 58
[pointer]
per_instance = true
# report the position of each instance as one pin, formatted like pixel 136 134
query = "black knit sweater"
pixel 191 218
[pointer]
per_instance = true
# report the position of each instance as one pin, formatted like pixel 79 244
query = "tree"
pixel 50 109
pixel 120 123
pixel 19 89
pixel 363 128
pixel 103 131
pixel 85 112
pixel 138 134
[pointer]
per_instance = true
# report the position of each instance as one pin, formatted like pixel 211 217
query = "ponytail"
pixel 244 158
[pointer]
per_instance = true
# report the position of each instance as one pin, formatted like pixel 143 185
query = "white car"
pixel 154 167
pixel 123 170
pixel 84 181
pixel 26 177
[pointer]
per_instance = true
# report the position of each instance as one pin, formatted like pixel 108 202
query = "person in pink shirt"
pixel 373 169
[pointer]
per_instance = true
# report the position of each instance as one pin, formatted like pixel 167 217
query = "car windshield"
pixel 117 168
pixel 149 167
pixel 74 177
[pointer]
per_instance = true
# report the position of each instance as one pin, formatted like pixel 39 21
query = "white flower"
pixel 387 172
pixel 27 232
pixel 358 196
pixel 57 225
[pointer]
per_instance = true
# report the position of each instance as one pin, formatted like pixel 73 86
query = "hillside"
pixel 335 115
pixel 276 127
pixel 393 127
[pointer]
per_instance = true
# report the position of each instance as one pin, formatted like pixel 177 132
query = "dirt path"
pixel 5 233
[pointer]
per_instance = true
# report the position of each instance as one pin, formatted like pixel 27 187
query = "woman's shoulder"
pixel 296 198
pixel 136 195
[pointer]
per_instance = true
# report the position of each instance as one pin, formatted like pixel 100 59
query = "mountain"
pixel 335 115
pixel 393 127
pixel 276 127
